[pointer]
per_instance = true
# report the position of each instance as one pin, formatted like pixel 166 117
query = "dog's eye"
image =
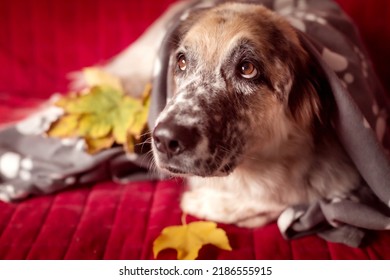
pixel 247 70
pixel 182 62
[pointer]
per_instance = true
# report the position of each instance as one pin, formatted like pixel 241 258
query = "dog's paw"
pixel 258 220
pixel 209 204
pixel 191 203
pixel 204 205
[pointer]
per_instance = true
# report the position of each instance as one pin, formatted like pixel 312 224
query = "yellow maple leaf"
pixel 102 114
pixel 64 126
pixel 188 239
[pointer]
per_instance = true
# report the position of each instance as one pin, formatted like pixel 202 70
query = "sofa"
pixel 40 43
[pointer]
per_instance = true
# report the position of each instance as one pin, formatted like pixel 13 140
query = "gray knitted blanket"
pixel 32 164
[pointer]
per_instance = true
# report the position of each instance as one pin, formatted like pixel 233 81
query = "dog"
pixel 248 121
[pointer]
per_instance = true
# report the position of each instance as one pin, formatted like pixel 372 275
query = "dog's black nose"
pixel 172 139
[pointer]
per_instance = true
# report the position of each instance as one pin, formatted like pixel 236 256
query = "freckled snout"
pixel 171 139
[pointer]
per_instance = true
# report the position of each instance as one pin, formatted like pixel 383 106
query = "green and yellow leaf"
pixel 102 114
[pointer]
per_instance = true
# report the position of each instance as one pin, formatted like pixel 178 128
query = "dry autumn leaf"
pixel 102 114
pixel 188 239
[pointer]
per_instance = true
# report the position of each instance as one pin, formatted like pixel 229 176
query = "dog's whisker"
pixel 145 158
pixel 145 134
pixel 143 143
pixel 147 141
pixel 153 166
pixel 148 161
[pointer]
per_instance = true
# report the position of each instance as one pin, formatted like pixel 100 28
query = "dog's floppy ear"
pixel 187 20
pixel 310 99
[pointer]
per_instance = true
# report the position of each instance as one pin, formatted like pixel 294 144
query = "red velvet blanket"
pixel 40 42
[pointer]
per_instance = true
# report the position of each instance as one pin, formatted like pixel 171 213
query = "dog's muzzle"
pixel 175 147
pixel 171 139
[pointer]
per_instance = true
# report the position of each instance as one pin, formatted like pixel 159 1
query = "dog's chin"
pixel 192 171
pixel 186 166
pixel 175 171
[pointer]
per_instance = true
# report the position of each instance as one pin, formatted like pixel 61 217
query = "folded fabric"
pixel 31 163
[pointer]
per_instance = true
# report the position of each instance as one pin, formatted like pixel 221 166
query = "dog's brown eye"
pixel 181 62
pixel 247 70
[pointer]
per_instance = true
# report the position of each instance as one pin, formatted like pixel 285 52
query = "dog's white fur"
pixel 285 169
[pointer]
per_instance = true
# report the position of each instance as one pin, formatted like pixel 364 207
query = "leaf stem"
pixel 184 219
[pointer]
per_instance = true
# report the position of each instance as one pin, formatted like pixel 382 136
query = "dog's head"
pixel 239 85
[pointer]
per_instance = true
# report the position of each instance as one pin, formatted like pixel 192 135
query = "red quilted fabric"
pixel 40 42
